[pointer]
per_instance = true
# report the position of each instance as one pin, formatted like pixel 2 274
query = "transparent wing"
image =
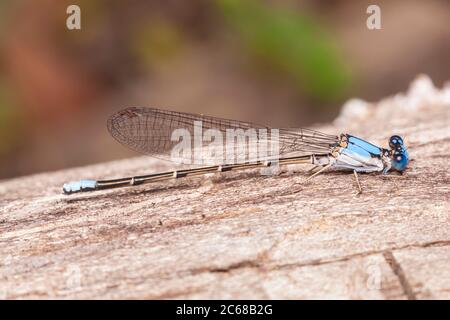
pixel 167 134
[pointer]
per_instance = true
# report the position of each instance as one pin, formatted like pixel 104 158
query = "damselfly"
pixel 160 133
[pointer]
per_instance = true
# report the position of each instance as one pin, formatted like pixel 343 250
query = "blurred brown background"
pixel 282 63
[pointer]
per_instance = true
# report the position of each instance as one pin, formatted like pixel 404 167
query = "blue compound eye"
pixel 395 141
pixel 400 161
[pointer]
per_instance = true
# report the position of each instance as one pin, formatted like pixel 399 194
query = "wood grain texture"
pixel 244 235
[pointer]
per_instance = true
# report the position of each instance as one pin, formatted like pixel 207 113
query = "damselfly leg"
pixel 357 182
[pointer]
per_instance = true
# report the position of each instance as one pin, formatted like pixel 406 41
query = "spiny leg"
pixel 313 169
pixel 310 177
pixel 318 172
pixel 357 182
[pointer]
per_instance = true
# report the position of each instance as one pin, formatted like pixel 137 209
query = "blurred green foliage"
pixel 10 120
pixel 156 41
pixel 292 42
pixel 4 18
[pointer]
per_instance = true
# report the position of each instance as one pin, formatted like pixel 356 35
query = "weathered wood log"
pixel 244 235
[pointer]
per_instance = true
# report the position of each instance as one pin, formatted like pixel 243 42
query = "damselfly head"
pixel 399 155
pixel 395 141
